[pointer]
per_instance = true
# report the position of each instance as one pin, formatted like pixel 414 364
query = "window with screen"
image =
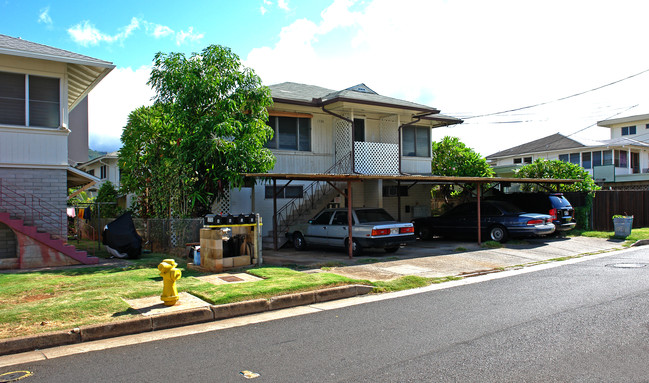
pixel 28 100
pixel 290 133
pixel 416 141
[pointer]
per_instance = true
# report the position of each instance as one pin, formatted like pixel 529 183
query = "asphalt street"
pixel 582 321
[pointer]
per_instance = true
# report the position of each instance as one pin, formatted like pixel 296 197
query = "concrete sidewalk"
pixel 440 258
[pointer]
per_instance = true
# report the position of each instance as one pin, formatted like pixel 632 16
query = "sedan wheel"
pixel 425 234
pixel 498 234
pixel 299 242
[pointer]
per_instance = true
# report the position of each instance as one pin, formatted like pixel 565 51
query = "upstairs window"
pixel 103 172
pixel 291 133
pixel 28 100
pixel 628 130
pixel 416 141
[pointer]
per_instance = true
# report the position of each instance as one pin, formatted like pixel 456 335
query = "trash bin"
pixel 622 226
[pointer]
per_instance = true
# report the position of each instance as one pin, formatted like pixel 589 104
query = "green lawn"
pixel 35 302
pixel 636 235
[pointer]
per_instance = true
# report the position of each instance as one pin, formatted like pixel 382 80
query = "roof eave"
pixel 44 56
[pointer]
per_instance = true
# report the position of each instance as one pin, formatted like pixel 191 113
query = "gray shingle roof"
pixel 19 47
pixel 315 95
pixel 556 141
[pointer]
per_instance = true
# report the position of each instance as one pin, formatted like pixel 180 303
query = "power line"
pixel 607 118
pixel 558 99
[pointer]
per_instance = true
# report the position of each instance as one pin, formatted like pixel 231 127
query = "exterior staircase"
pixel 28 213
pixel 316 196
pixel 299 211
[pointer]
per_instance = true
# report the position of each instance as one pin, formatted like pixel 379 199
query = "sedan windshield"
pixel 373 215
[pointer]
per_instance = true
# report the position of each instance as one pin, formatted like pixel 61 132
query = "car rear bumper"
pixel 565 226
pixel 386 241
pixel 533 230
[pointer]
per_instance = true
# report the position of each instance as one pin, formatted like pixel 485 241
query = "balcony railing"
pixel 376 158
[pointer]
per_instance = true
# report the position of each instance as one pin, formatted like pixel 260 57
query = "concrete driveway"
pixel 441 258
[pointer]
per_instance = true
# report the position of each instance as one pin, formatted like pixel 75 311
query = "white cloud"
pixel 44 16
pixel 283 4
pixel 157 30
pixel 190 35
pixel 110 103
pixel 473 57
pixel 263 10
pixel 162 31
pixel 86 33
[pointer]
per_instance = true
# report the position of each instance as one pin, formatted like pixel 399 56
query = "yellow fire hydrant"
pixel 169 275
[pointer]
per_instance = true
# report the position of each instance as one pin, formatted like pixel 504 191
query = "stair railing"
pixel 312 193
pixel 33 210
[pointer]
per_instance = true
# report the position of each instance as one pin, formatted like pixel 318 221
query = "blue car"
pixel 498 220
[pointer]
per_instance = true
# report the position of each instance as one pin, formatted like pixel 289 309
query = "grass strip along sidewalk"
pixel 44 301
pixel 51 300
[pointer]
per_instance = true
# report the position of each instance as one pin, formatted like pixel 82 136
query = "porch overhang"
pixel 77 178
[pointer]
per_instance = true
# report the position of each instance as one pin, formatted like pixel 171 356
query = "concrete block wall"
pixel 47 185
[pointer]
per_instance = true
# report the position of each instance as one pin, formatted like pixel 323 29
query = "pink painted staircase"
pixel 46 239
pixel 26 207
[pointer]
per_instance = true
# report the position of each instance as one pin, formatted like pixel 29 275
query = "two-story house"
pixel 355 130
pixel 621 162
pixel 105 168
pixel 40 86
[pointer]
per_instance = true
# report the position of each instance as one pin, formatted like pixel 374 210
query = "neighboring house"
pixel 621 163
pixel 354 130
pixel 40 136
pixel 106 169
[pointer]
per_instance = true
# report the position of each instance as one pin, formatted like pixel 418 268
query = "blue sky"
pixel 465 57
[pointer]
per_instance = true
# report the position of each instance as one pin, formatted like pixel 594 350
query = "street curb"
pixel 176 319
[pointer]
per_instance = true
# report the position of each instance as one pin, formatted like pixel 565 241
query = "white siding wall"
pixel 415 164
pixel 417 202
pixel 33 147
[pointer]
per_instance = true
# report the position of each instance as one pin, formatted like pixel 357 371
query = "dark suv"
pixel 554 204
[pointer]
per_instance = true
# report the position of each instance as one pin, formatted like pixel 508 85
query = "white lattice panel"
pixel 389 129
pixel 343 132
pixel 222 205
pixel 376 158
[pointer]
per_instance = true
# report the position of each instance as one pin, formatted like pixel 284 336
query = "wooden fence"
pixel 611 202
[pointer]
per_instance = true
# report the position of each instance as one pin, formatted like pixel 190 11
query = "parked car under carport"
pixel 498 221
pixel 372 228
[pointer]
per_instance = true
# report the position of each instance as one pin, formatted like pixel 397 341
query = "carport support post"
pixel 399 201
pixel 274 214
pixel 478 185
pixel 350 243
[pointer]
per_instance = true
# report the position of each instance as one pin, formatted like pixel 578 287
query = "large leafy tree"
pixel 207 126
pixel 543 168
pixel 451 157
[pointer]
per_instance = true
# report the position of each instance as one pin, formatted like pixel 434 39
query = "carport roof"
pixel 403 177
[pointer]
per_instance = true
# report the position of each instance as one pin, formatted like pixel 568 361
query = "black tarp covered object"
pixel 121 236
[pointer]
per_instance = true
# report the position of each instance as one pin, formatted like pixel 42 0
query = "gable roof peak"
pixel 361 88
